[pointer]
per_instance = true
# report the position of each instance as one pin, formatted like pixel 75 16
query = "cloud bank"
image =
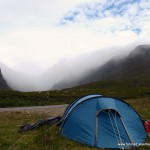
pixel 67 69
pixel 53 39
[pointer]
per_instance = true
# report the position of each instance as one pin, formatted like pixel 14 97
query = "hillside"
pixel 134 67
pixel 127 78
pixel 3 84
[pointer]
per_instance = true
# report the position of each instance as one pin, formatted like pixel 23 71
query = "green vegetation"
pixel 47 137
pixel 14 98
pixel 43 138
pixel 122 89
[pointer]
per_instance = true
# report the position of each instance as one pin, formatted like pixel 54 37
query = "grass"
pixel 122 89
pixel 44 138
pixel 47 137
pixel 17 99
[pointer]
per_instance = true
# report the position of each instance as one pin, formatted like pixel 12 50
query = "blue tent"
pixel 103 122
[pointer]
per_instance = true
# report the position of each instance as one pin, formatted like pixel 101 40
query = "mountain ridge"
pixel 135 66
pixel 3 83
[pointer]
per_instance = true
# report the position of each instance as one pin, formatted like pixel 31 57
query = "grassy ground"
pixel 122 89
pixel 16 99
pixel 43 138
pixel 47 137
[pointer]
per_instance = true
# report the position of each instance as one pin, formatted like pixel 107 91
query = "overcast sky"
pixel 36 34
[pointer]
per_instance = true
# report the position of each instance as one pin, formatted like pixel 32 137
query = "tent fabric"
pixel 103 122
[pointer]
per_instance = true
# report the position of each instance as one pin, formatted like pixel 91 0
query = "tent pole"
pixel 96 130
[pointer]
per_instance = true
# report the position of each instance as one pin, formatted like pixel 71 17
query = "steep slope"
pixel 3 84
pixel 135 66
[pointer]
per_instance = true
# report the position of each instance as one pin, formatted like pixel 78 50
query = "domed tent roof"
pixel 103 122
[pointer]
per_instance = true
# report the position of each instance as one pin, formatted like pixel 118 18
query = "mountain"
pixel 3 84
pixel 134 67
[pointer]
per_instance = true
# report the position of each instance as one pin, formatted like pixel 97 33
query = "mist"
pixel 65 70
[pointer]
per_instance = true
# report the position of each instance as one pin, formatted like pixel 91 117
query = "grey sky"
pixel 36 35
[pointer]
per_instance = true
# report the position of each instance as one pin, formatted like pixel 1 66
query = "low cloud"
pixel 46 42
pixel 67 69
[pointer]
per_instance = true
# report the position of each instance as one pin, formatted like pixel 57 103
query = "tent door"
pixel 110 130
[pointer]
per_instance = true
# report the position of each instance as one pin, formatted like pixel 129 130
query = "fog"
pixel 47 42
pixel 66 69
